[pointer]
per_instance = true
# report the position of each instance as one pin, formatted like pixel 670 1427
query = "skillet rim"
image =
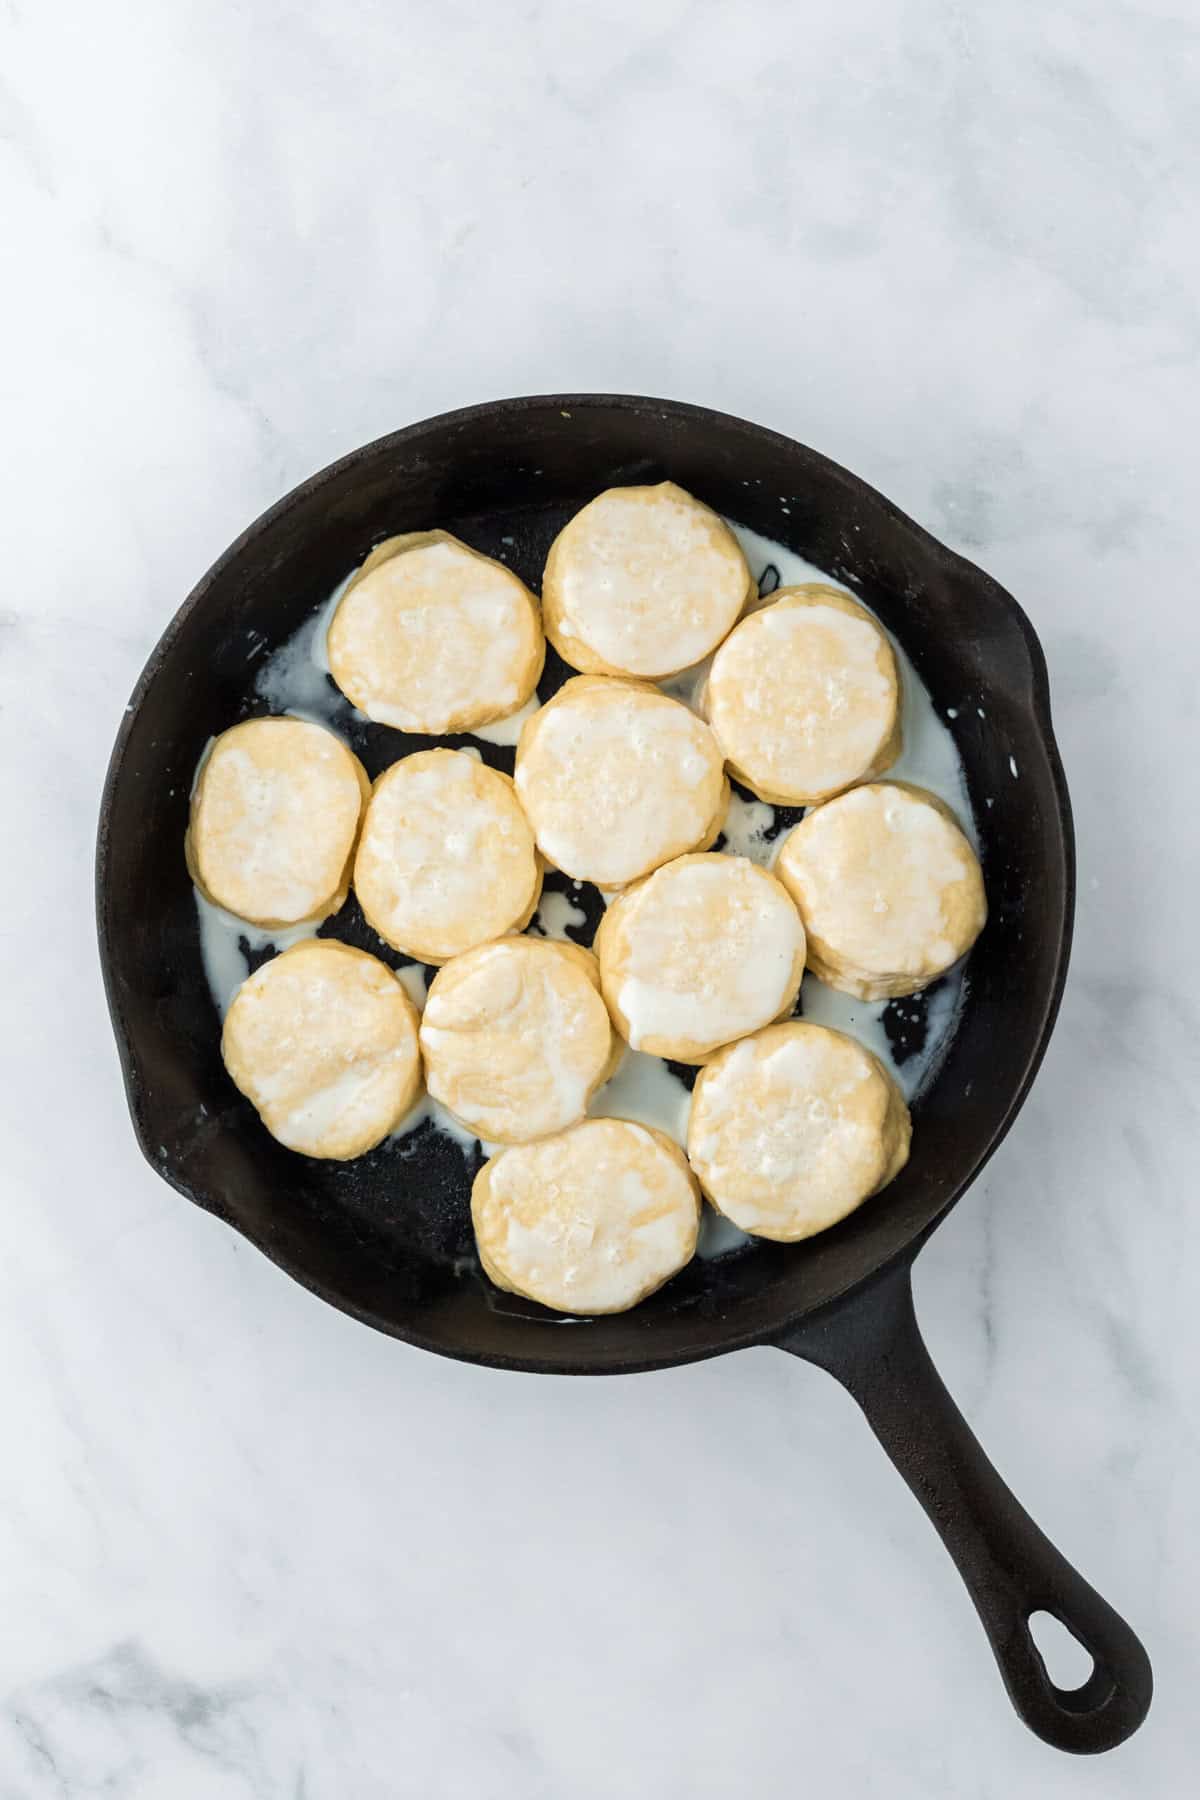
pixel 711 1339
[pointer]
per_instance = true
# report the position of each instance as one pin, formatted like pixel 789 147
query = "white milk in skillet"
pixel 295 679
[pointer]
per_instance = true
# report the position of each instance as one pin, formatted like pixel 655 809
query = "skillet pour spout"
pixel 387 1238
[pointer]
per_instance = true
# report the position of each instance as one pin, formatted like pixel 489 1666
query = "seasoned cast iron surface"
pixel 388 1236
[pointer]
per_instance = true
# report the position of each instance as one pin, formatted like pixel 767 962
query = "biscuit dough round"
pixel 890 891
pixel 446 859
pixel 274 818
pixel 590 1221
pixel 804 697
pixel 323 1042
pixel 792 1128
pixel 517 1039
pixel 616 778
pixel 431 636
pixel 705 950
pixel 643 581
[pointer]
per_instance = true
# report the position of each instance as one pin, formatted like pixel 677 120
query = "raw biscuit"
pixel 431 636
pixel 589 1221
pixel 323 1042
pixel 517 1039
pixel 274 817
pixel 804 697
pixel 792 1128
pixel 446 859
pixel 616 778
pixel 705 950
pixel 890 891
pixel 643 581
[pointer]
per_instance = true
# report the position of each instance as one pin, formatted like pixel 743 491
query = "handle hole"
pixel 1069 1663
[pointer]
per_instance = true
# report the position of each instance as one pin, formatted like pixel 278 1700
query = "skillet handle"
pixel 870 1342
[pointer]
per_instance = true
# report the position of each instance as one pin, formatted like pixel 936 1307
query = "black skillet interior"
pixel 387 1238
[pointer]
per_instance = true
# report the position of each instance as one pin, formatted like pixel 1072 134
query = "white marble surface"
pixel 251 1549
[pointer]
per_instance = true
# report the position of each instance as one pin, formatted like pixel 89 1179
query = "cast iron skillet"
pixel 387 1238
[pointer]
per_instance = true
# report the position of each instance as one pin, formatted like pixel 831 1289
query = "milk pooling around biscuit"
pixel 748 829
pixel 506 731
pixel 557 915
pixel 645 1089
pixel 294 678
pixel 222 937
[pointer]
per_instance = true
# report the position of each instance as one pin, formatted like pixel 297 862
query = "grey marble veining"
pixel 250 1549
